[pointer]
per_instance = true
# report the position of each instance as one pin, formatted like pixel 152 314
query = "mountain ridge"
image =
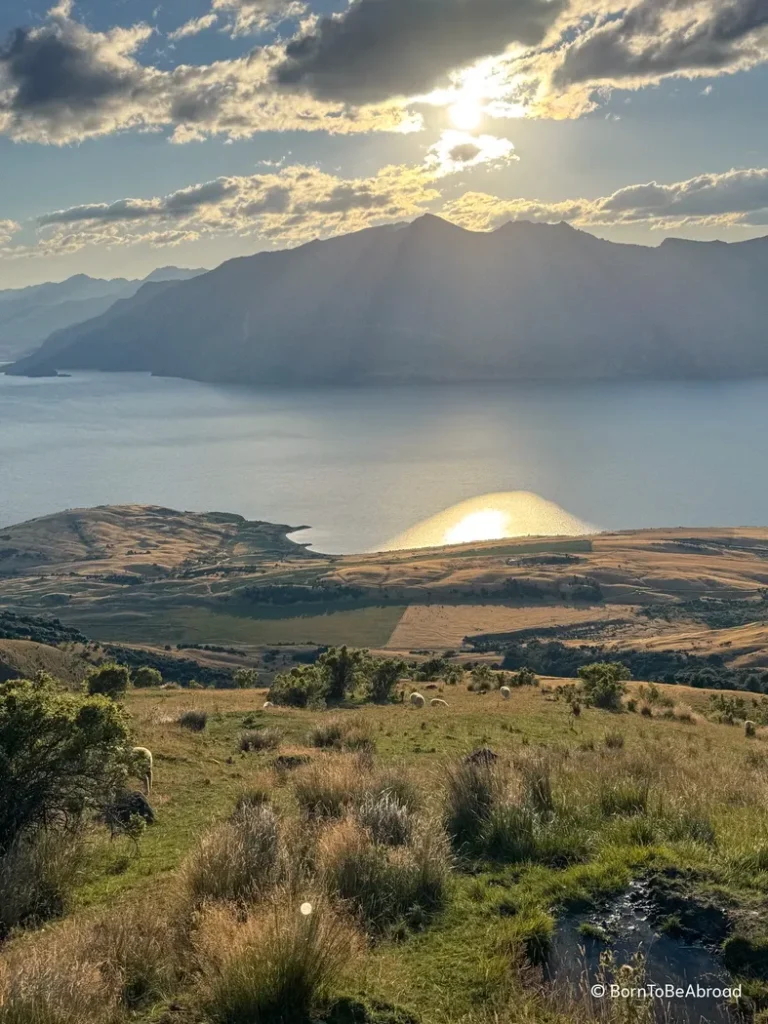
pixel 430 301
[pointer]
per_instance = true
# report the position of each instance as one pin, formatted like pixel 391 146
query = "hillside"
pixel 429 301
pixel 30 315
pixel 677 605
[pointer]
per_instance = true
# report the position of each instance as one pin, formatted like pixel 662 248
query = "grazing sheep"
pixel 268 704
pixel 750 729
pixel 142 766
pixel 417 700
pixel 436 702
pixel 505 692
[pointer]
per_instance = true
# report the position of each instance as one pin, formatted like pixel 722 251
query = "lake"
pixel 361 466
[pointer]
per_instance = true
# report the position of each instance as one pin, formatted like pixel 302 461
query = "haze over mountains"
pixel 430 301
pixel 29 315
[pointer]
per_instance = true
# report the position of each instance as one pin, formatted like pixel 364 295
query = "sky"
pixel 141 133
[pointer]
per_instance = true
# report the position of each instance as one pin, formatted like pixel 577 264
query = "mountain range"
pixel 30 315
pixel 432 302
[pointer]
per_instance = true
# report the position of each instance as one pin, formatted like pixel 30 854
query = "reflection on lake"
pixel 363 466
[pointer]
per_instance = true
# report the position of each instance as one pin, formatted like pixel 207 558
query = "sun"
pixel 466 114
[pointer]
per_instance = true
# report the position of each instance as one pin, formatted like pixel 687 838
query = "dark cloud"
pixel 50 68
pixel 276 199
pixel 351 197
pixel 378 49
pixel 465 152
pixel 177 204
pixel 645 43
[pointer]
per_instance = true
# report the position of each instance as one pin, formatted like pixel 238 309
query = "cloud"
pixel 8 228
pixel 194 27
pixel 257 15
pixel 737 198
pixel 379 49
pixel 62 83
pixel 457 151
pixel 654 39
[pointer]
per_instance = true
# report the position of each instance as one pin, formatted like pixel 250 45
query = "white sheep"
pixel 436 702
pixel 750 729
pixel 268 704
pixel 142 765
pixel 505 692
pixel 417 700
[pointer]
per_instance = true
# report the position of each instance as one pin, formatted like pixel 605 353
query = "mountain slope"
pixel 29 315
pixel 430 301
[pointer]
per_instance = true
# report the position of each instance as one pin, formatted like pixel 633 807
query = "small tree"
pixel 303 687
pixel 60 753
pixel 110 680
pixel 342 668
pixel 602 683
pixel 146 676
pixel 246 678
pixel 383 678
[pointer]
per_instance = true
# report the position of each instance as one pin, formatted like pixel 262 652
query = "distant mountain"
pixel 29 315
pixel 429 301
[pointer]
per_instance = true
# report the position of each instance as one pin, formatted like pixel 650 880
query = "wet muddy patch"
pixel 671 935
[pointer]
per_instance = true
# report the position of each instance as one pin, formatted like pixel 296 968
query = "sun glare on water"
pixel 492 517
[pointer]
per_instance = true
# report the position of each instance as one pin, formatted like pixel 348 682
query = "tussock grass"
pixel 238 860
pixel 326 789
pixel 37 874
pixel 276 967
pixel 473 789
pixel 195 721
pixel 387 820
pixel 260 739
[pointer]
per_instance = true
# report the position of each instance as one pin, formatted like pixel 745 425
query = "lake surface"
pixel 361 466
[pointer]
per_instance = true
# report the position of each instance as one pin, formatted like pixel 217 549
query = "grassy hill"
pixel 662 815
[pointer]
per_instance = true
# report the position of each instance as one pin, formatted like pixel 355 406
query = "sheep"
pixel 749 729
pixel 268 704
pixel 417 701
pixel 142 766
pixel 436 702
pixel 505 692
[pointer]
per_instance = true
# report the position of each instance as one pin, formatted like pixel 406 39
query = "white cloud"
pixel 457 151
pixel 256 15
pixel 194 27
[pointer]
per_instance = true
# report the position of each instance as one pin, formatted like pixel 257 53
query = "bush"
pixel 277 969
pixel 37 874
pixel 385 886
pixel 482 679
pixel 260 739
pixel 525 677
pixel 62 753
pixel 246 678
pixel 302 687
pixel 386 819
pixel 603 684
pixel 196 721
pixel 237 860
pixel 146 676
pixel 110 680
pixel 383 679
pixel 474 788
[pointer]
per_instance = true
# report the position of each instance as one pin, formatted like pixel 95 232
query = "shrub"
pixel 246 678
pixel 61 754
pixel 260 739
pixel 343 669
pixel 146 676
pixel 603 684
pixel 196 721
pixel 237 860
pixel 482 679
pixel 303 687
pixel 388 821
pixel 383 678
pixel 37 873
pixel 474 788
pixel 110 680
pixel 385 886
pixel 273 969
pixel 525 677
